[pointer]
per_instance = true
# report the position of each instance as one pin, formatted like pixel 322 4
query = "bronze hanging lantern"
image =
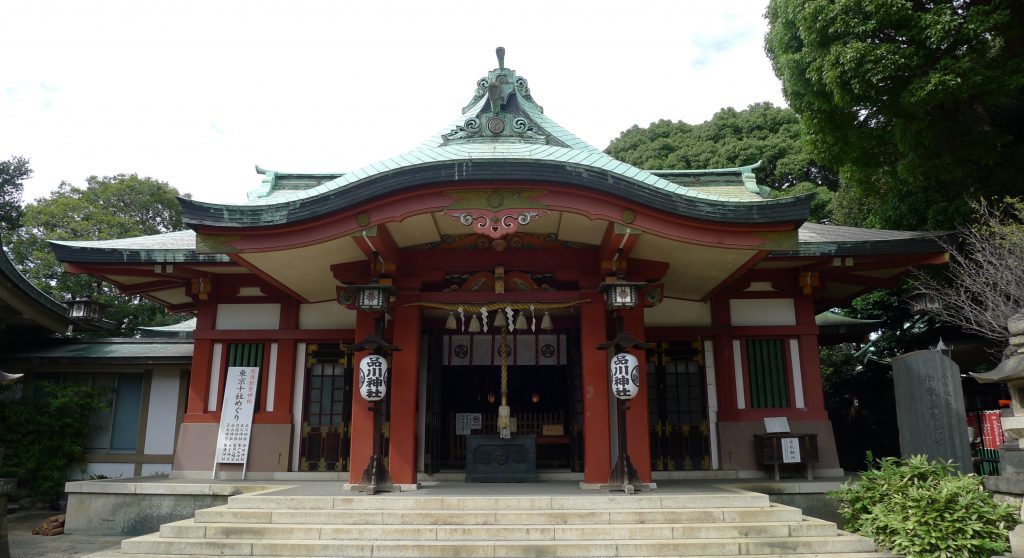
pixel 620 295
pixel 85 309
pixel 375 297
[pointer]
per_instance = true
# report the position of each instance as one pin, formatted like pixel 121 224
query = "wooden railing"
pixel 552 450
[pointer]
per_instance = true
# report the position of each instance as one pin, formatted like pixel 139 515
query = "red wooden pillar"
pixel 362 417
pixel 810 363
pixel 596 444
pixel 202 360
pixel 405 371
pixel 284 383
pixel 638 437
pixel 725 367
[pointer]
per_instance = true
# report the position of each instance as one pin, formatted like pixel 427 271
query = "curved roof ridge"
pixel 11 272
pixel 502 134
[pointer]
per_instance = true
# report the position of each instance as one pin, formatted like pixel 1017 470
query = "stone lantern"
pixel 1011 372
pixel 1009 484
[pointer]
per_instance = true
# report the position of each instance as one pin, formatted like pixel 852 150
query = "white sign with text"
pixel 236 414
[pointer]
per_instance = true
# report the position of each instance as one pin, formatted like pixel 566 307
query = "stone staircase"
pixel 660 524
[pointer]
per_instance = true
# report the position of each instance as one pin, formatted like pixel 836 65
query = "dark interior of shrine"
pixel 543 401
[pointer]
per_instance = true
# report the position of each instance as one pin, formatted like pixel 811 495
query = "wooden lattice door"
pixel 327 409
pixel 677 407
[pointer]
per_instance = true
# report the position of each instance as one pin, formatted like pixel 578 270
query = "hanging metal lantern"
pixel 625 376
pixel 85 309
pixel 375 297
pixel 620 295
pixel 373 377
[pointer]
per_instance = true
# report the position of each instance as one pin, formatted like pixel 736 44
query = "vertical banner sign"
pixel 236 415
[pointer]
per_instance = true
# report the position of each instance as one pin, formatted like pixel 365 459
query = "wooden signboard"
pixel 236 417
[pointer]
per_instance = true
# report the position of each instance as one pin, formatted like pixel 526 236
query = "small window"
pixel 766 368
pixel 116 428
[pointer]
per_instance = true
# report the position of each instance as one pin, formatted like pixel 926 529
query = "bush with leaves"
pixel 44 436
pixel 925 509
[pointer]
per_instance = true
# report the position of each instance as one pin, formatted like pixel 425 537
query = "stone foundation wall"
pixel 124 508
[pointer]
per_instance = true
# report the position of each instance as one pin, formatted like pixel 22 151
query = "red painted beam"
pixel 584 260
pixel 508 296
pixel 733 278
pixel 377 240
pixel 648 271
pixel 557 197
pixel 149 286
pixel 616 245
pixel 267 277
pixel 352 273
pixel 850 278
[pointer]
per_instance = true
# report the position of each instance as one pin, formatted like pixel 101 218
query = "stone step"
pixel 153 544
pixel 224 514
pixel 120 554
pixel 735 499
pixel 538 531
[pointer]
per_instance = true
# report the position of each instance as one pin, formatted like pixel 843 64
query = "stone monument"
pixel 930 408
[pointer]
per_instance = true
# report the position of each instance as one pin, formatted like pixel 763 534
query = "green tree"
pixel 45 435
pixel 108 207
pixel 13 173
pixel 918 103
pixel 731 138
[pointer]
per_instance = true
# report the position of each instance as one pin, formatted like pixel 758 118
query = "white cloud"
pixel 198 93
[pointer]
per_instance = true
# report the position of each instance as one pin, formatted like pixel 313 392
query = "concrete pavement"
pixel 26 545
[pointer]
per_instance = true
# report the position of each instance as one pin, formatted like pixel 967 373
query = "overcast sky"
pixel 197 93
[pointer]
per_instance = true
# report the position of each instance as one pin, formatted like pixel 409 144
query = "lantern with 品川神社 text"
pixel 373 377
pixel 625 376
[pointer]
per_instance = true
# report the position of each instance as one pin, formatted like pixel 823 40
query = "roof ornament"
pixel 506 112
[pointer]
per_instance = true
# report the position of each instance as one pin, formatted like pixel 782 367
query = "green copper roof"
pixel 95 351
pixel 502 133
pixel 518 130
pixel 181 330
pixel 173 247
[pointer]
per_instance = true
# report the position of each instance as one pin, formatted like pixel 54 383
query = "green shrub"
pixel 924 509
pixel 44 436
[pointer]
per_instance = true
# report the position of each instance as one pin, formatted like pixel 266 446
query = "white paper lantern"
pixel 625 376
pixel 373 377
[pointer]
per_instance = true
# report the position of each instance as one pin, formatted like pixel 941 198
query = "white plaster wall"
pixel 149 469
pixel 248 316
pixel 673 312
pixel 163 412
pixel 763 312
pixel 326 315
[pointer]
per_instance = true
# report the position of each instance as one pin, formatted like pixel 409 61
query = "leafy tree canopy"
pixel 108 207
pixel 13 173
pixel 731 138
pixel 919 103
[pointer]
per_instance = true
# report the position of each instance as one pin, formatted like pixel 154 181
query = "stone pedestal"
pixel 1010 489
pixel 6 489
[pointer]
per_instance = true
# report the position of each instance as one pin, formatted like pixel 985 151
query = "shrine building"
pixel 497 244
